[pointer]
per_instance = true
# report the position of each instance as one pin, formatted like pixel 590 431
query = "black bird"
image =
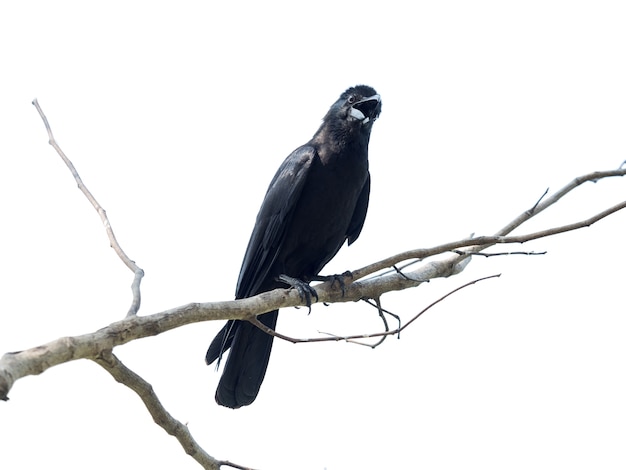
pixel 316 201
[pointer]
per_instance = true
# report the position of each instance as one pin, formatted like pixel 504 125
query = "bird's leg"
pixel 338 278
pixel 304 289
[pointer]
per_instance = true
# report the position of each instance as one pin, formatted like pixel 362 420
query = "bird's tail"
pixel 247 361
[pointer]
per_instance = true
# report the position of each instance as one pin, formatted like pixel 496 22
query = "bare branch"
pixel 16 365
pixel 172 426
pixel 136 303
pixel 547 202
pixel 98 346
pixel 486 241
pixel 34 361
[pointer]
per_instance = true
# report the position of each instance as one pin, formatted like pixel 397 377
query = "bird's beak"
pixel 366 109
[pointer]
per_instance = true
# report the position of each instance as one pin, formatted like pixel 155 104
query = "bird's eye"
pixel 351 99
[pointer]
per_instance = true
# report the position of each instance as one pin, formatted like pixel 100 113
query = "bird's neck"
pixel 338 140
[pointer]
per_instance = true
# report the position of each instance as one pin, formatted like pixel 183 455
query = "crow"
pixel 316 201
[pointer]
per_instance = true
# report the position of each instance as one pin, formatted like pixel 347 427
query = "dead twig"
pixel 138 272
pixel 505 253
pixel 354 338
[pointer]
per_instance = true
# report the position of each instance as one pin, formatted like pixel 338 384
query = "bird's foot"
pixel 335 278
pixel 304 289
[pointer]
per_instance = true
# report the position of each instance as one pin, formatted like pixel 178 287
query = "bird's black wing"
pixel 250 346
pixel 273 219
pixel 360 210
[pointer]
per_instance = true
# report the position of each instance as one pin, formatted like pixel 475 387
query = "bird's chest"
pixel 331 191
pixel 324 211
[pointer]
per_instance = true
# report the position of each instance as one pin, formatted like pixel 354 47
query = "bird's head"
pixel 358 106
pixel 350 119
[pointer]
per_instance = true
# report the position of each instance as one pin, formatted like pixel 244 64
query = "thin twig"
pixel 233 465
pixel 381 313
pixel 484 241
pixel 135 287
pixel 441 299
pixel 547 202
pixel 532 210
pixel 352 338
pixel 505 253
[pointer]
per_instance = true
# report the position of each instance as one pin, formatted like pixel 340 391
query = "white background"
pixel 177 114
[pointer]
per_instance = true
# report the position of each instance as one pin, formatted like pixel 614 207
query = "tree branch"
pixel 135 287
pixel 363 284
pixel 486 241
pixel 144 390
pixel 16 365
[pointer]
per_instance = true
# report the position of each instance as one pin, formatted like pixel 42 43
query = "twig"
pixel 485 241
pixel 532 210
pixel 233 465
pixel 504 253
pixel 159 414
pixel 353 338
pixel 135 287
pixel 547 202
pixel 381 313
pixel 399 271
pixel 441 299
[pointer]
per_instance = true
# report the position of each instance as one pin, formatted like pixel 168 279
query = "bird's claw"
pixel 305 291
pixel 336 278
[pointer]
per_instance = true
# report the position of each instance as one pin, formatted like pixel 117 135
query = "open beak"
pixel 367 109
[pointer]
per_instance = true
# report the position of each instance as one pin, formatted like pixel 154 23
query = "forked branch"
pixel 368 282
